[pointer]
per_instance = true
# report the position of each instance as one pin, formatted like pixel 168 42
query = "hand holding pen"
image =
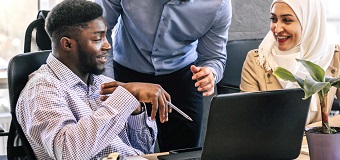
pixel 146 92
pixel 143 92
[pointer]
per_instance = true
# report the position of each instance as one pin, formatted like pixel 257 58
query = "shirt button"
pixel 155 59
pixel 160 36
pixel 164 19
pixel 156 50
pixel 332 71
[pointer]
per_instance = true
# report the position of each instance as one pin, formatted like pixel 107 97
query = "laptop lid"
pixel 257 125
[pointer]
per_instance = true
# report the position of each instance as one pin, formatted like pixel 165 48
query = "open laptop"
pixel 257 125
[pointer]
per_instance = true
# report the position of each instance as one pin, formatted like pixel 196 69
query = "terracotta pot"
pixel 323 146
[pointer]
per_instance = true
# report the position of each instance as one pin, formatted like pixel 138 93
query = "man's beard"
pixel 85 62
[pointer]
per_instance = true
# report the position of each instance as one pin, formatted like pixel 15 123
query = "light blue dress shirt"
pixel 161 36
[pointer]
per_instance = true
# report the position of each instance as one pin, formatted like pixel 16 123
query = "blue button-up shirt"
pixel 161 36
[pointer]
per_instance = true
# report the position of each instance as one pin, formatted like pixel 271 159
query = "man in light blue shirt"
pixel 179 44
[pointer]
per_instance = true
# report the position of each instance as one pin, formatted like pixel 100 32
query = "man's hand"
pixel 137 111
pixel 205 79
pixel 144 92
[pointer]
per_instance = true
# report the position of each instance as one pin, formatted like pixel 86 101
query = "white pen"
pixel 179 111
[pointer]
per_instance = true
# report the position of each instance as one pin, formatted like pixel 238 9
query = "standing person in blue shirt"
pixel 179 44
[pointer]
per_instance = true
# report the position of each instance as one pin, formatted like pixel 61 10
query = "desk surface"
pixel 334 121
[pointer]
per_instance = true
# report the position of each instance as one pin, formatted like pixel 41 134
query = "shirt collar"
pixel 65 75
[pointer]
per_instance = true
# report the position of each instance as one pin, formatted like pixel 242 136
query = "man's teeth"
pixel 102 58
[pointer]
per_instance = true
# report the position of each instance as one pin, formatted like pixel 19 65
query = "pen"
pixel 179 111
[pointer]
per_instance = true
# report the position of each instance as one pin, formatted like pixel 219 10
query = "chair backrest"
pixel 237 51
pixel 42 40
pixel 19 68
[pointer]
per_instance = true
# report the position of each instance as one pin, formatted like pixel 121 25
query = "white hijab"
pixel 313 45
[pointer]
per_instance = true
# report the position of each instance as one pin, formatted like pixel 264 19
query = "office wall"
pixel 250 20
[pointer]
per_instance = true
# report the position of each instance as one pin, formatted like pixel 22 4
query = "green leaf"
pixel 284 74
pixel 311 87
pixel 316 83
pixel 315 71
pixel 326 88
pixel 333 81
pixel 300 81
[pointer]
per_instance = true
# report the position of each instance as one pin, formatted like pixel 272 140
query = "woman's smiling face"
pixel 285 26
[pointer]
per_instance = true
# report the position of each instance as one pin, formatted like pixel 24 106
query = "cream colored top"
pixel 255 78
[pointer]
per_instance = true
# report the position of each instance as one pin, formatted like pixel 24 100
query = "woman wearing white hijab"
pixel 297 30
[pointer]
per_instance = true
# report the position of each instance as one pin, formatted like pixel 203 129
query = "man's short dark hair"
pixel 70 14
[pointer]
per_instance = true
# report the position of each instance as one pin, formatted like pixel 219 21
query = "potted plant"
pixel 323 142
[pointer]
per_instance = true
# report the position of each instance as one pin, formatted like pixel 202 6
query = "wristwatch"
pixel 214 75
pixel 142 106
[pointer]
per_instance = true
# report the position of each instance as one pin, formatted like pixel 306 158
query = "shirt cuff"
pixel 122 100
pixel 141 120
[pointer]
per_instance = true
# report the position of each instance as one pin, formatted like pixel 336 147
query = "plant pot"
pixel 323 146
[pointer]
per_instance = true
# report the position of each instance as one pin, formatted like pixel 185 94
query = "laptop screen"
pixel 257 125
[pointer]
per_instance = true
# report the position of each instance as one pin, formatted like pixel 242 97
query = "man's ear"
pixel 66 44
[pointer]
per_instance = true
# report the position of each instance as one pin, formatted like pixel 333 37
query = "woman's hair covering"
pixel 314 44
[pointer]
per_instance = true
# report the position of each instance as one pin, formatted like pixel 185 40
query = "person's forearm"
pixel 91 134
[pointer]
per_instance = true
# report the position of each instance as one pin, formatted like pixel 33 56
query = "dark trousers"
pixel 178 132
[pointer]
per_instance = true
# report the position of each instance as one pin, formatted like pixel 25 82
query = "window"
pixel 333 18
pixel 15 16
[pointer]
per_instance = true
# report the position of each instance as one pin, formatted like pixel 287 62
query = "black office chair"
pixel 236 54
pixel 19 68
pixel 42 40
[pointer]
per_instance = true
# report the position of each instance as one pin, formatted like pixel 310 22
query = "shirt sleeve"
pixel 112 9
pixel 211 47
pixel 142 133
pixel 138 138
pixel 48 121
